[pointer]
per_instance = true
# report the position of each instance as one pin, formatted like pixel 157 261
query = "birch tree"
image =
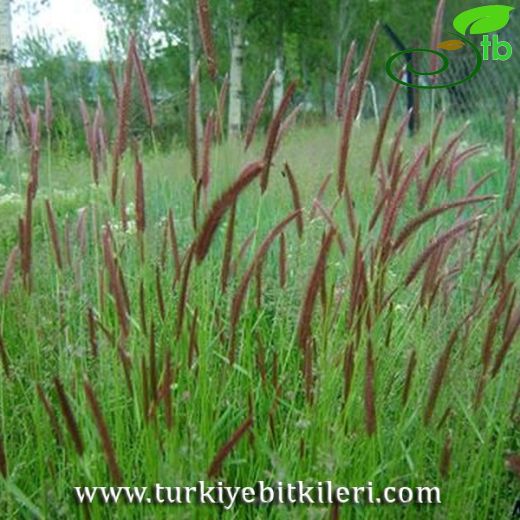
pixel 236 77
pixel 6 64
pixel 279 60
pixel 193 59
pixel 279 76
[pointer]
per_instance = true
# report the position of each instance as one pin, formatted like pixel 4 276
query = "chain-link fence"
pixel 483 100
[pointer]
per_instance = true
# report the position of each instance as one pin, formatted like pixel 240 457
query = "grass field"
pixel 289 316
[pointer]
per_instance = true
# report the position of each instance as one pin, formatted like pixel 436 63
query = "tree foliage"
pixel 313 38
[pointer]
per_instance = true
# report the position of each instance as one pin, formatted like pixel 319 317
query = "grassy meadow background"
pixel 174 333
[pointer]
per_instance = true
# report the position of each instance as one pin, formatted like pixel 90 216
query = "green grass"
pixel 46 334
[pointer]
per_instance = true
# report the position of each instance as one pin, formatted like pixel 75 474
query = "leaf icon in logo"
pixel 451 45
pixel 482 20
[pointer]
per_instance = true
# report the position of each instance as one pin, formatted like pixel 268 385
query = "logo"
pixel 477 21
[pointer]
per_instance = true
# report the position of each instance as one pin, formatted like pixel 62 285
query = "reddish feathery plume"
pixel 221 205
pixel 258 110
pixel 272 134
pixel 206 36
pixel 343 83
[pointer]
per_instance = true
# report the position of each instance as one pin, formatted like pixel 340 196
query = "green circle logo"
pixel 444 66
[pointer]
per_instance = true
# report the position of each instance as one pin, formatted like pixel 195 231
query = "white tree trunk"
pixel 279 78
pixel 192 51
pixel 8 137
pixel 235 80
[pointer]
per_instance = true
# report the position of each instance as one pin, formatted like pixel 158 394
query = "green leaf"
pixel 482 20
